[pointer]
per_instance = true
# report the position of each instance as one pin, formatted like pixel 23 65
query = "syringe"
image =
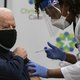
pixel 39 51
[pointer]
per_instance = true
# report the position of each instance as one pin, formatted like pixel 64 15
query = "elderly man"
pixel 12 63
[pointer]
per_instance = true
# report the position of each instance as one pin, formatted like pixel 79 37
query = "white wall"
pixel 1 3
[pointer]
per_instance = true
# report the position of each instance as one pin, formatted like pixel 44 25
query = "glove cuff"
pixel 64 56
pixel 45 73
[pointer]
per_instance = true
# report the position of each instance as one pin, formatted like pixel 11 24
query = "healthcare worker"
pixel 62 15
pixel 72 71
pixel 69 13
pixel 69 72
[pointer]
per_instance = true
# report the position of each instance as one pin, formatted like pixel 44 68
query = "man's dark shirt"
pixel 12 68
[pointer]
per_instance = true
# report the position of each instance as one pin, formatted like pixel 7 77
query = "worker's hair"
pixel 74 6
pixel 60 2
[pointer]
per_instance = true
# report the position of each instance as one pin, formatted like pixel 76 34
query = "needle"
pixel 39 51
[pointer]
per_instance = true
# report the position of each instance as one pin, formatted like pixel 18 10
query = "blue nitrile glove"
pixel 55 53
pixel 45 3
pixel 38 69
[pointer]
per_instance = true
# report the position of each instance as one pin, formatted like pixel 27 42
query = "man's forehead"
pixel 6 17
pixel 5 12
pixel 1 21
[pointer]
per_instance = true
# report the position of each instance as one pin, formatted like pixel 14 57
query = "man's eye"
pixel 13 26
pixel 4 28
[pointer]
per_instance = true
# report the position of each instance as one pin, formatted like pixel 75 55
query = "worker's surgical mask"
pixel 7 38
pixel 60 23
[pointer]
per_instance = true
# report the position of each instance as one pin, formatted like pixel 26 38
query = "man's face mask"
pixel 7 38
pixel 60 23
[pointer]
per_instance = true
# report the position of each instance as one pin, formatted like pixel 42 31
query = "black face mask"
pixel 8 38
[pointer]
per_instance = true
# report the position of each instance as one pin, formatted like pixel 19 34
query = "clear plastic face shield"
pixel 49 13
pixel 57 19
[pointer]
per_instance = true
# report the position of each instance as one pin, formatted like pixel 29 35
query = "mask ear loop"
pixel 4 47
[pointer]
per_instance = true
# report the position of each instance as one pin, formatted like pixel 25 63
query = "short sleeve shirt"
pixel 71 72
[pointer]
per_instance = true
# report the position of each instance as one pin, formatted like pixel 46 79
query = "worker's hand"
pixel 54 53
pixel 20 52
pixel 37 70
